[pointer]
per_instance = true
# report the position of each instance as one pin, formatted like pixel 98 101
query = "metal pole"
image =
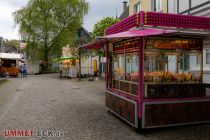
pixel 107 65
pixel 140 89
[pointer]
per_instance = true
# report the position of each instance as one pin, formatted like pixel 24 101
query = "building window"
pixel 137 7
pixel 198 2
pixel 184 5
pixel 198 59
pixel 207 56
pixel 172 6
pixel 157 5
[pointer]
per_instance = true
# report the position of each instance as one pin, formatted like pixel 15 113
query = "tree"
pixel 99 29
pixel 11 43
pixel 50 24
pixel 100 26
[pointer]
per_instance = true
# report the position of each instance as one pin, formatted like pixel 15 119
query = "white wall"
pixel 87 66
pixel 32 68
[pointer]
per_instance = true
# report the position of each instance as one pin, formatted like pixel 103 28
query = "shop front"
pixel 149 82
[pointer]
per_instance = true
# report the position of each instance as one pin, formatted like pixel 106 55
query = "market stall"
pixel 68 66
pixel 149 81
pixel 9 64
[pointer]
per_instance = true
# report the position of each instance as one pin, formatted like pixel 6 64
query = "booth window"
pixel 125 68
pixel 132 64
pixel 171 68
pixel 207 56
pixel 119 66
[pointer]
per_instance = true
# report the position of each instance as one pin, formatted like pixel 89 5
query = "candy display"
pixel 170 77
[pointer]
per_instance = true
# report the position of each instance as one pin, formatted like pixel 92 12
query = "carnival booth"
pixel 9 64
pixel 149 81
pixel 69 68
pixel 68 63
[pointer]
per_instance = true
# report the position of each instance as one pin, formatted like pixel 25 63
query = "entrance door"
pixel 95 67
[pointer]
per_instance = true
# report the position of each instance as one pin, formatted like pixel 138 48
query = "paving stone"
pixel 75 108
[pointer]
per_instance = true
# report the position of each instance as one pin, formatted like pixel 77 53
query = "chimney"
pixel 125 5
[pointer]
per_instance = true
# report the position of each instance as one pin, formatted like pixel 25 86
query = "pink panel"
pixel 138 33
pixel 160 19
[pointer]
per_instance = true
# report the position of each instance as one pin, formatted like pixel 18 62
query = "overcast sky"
pixel 98 10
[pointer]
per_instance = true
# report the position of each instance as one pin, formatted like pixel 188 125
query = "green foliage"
pixel 101 25
pixel 48 25
pixel 11 43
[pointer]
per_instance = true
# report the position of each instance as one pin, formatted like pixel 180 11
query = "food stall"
pixel 149 81
pixel 68 63
pixel 69 68
pixel 9 64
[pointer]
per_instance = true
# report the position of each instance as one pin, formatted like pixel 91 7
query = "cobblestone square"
pixel 75 108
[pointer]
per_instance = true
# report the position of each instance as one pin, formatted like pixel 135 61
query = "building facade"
pixel 147 5
pixel 189 7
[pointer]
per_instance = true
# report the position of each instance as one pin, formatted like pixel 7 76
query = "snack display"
pixel 170 77
pixel 118 73
pixel 132 77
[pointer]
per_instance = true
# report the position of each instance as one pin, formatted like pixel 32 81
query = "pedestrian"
pixel 25 70
pixel 61 70
pixel 21 69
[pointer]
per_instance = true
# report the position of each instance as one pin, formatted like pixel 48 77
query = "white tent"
pixel 11 56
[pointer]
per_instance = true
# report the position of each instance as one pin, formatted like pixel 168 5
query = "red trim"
pixel 140 89
pixel 107 65
pixel 126 51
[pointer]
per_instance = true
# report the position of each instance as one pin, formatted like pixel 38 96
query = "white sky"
pixel 98 10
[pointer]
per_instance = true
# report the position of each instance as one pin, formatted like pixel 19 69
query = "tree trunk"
pixel 80 69
pixel 46 57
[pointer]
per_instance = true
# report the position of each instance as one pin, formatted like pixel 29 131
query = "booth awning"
pixel 139 33
pixel 98 44
pixel 64 58
pixel 11 56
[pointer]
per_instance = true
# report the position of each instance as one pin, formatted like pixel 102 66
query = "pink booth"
pixel 154 69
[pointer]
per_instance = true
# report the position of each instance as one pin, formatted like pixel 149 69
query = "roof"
pixel 11 56
pixel 138 33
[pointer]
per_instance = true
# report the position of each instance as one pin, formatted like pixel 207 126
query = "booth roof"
pixel 139 33
pixel 11 56
pixel 64 58
pixel 98 44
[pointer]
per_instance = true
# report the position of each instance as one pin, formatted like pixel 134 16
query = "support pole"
pixel 107 65
pixel 140 89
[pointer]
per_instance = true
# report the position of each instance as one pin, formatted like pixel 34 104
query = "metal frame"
pixel 132 101
pixel 173 102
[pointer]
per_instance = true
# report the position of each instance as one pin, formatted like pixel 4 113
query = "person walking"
pixel 21 70
pixel 61 70
pixel 25 70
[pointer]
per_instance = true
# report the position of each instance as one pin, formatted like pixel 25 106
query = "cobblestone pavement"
pixel 75 108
